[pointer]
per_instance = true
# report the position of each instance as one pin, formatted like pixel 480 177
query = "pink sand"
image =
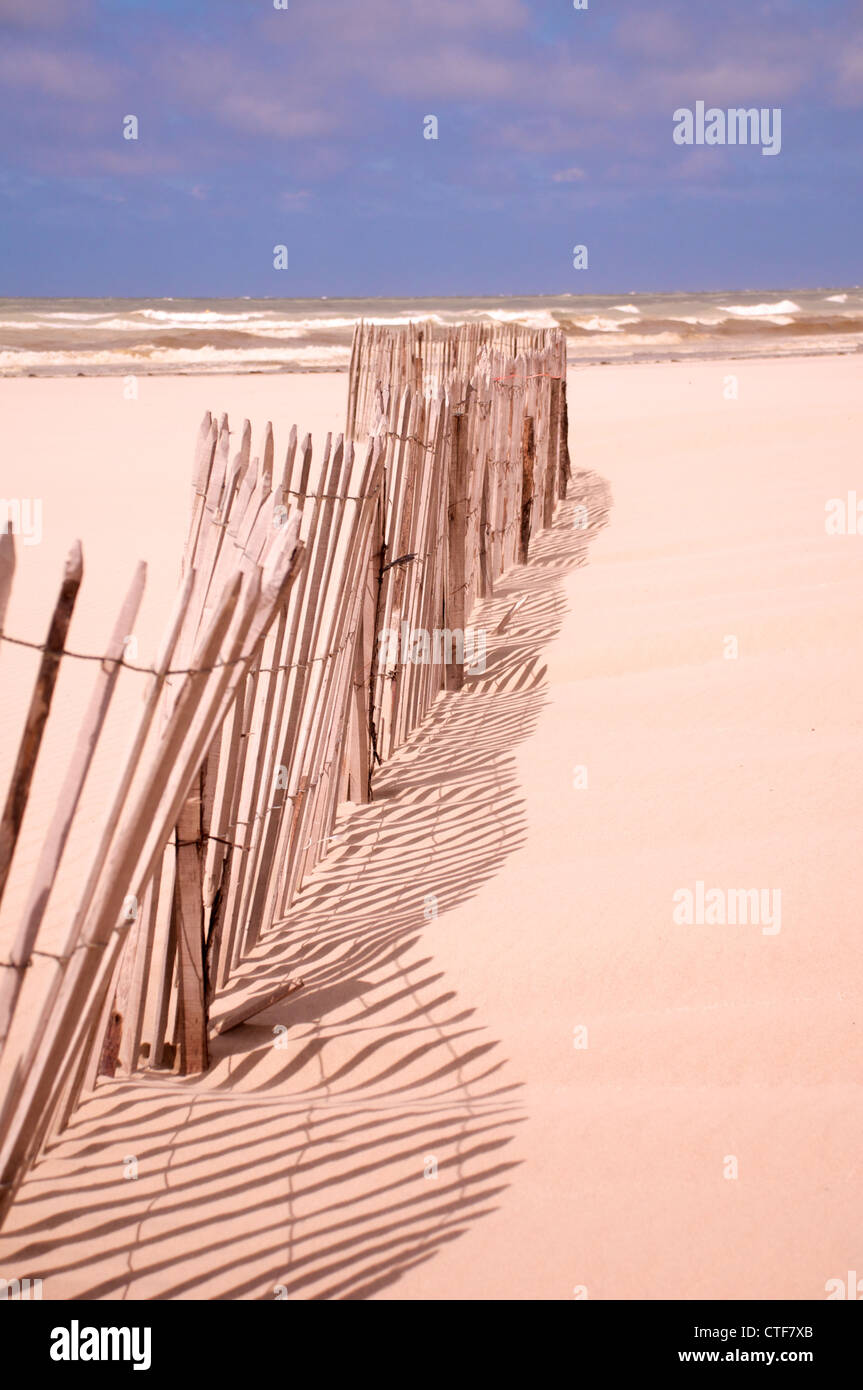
pixel 448 1039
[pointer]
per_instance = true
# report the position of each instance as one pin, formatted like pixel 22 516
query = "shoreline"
pixel 269 336
pixel 573 364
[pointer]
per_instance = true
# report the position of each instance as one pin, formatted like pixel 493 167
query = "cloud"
pixel 129 159
pixel 848 86
pixel 655 34
pixel 35 14
pixel 700 165
pixel 296 201
pixel 738 81
pixel 263 114
pixel 328 87
pixel 381 23
pixel 68 76
pixel 483 15
pixel 449 70
pixel 248 94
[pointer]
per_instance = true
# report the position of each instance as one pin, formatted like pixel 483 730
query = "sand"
pixel 435 1127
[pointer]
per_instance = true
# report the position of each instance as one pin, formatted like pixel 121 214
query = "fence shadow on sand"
pixel 296 1167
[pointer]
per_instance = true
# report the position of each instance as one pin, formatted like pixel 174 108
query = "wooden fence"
pixel 476 458
pixel 322 608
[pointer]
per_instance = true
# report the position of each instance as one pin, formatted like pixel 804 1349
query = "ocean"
pixel 118 337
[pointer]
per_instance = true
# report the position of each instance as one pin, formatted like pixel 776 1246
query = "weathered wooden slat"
pixel 7 572
pixel 227 1018
pixel 457 504
pixel 189 909
pixel 528 463
pixel 34 728
pixel 67 802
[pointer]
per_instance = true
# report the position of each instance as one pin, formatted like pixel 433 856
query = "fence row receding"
pixel 282 681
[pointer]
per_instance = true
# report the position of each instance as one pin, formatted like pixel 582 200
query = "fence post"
pixel 565 468
pixel 365 668
pixel 189 909
pixel 456 536
pixel 528 459
pixel 552 469
pixel 372 616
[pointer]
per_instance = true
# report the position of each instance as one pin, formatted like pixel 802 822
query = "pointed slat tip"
pixel 74 566
pixel 282 557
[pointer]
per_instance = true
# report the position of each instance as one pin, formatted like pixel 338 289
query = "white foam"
pixel 539 318
pixel 91 316
pixel 597 324
pixel 146 355
pixel 761 311
pixel 203 316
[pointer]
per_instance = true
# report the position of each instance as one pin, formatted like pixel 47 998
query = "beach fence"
pixel 475 424
pixel 323 606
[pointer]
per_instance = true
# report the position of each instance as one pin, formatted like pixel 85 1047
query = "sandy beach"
pixel 545 1087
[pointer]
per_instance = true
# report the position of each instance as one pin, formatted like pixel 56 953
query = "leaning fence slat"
pixel 34 728
pixel 30 1093
pixel 7 571
pixel 67 800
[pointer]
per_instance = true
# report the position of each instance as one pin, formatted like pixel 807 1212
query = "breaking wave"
pixel 118 336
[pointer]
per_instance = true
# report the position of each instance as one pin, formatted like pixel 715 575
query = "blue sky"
pixel 304 127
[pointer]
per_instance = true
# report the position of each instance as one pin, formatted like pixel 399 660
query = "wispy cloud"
pixel 848 86
pixel 543 111
pixel 298 200
pixel 69 76
pixel 36 14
